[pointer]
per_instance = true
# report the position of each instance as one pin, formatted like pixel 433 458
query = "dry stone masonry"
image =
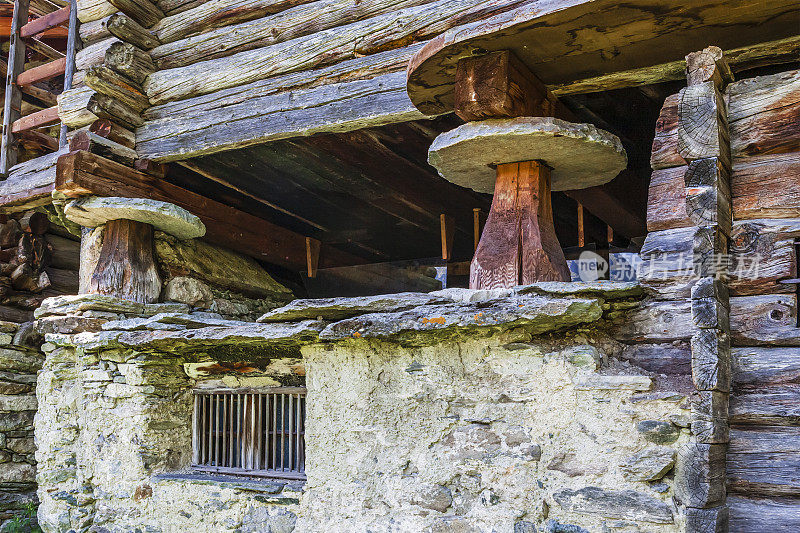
pixel 459 410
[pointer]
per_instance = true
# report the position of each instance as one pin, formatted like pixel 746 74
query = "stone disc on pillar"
pixel 580 155
pixel 95 211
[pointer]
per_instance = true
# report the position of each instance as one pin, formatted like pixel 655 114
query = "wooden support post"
pixel 13 96
pixel 477 225
pixel 581 230
pixel 519 243
pixel 448 230
pixel 312 256
pixel 125 265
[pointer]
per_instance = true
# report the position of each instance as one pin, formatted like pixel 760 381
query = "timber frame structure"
pixel 293 136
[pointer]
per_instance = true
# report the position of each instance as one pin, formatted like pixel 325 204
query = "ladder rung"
pixel 43 72
pixel 45 117
pixel 45 22
pixel 39 139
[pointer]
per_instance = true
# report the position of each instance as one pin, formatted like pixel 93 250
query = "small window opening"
pixel 250 432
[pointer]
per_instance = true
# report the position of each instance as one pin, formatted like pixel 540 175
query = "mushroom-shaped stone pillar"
pixel 118 259
pixel 520 155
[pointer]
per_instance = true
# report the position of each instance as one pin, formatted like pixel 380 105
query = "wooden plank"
pixel 107 82
pixel 122 27
pixel 390 30
pixel 89 10
pixel 666 200
pixel 764 515
pixel 769 319
pixel 763 116
pixel 39 25
pixel 45 117
pixel 81 173
pixel 13 96
pixel 764 462
pixel 774 406
pixel 330 108
pixel 760 367
pixel 763 253
pixel 43 72
pixel 211 15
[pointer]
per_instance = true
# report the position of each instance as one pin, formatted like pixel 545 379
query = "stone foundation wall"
pixel 496 434
pixel 451 411
pixel 19 364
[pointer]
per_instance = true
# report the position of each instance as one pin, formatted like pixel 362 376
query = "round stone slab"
pixel 580 154
pixel 95 211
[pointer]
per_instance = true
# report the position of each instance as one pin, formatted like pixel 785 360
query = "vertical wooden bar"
pixel 13 96
pixel 581 231
pixel 260 429
pixel 298 417
pixel 290 455
pixel 210 429
pixel 447 227
pixel 283 432
pixel 274 431
pixel 251 444
pixel 224 457
pixel 239 428
pixel 232 438
pixel 69 70
pixel 217 429
pixel 202 429
pixel 476 227
pixel 196 431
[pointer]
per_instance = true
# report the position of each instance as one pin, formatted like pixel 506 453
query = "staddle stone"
pixel 580 155
pixel 95 211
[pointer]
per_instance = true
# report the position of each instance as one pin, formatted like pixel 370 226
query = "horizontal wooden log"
pixel 210 15
pixel 763 515
pixel 763 253
pixel 113 132
pixel 39 25
pixel 299 21
pixel 389 30
pixel 73 107
pixel 107 82
pixel 702 124
pixel 89 10
pixel 144 12
pixel 764 462
pixel 43 72
pixel 763 118
pixel 667 358
pixel 37 140
pixel 711 360
pixel 331 108
pixel 772 406
pixel 29 184
pixel 41 47
pixel 106 107
pixel 82 173
pixel 657 322
pixel 778 52
pixel 769 319
pixel 172 7
pixel 120 26
pixel 94 55
pixel 700 474
pixel 759 367
pixel 130 61
pixel 45 117
pixel 98 145
pixel 666 200
pixel 764 186
pixel 709 417
pixel 65 253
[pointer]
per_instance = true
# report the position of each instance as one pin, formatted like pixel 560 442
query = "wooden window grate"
pixel 253 432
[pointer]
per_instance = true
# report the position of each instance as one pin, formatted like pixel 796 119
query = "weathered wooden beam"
pixel 122 27
pixel 760 515
pixel 764 461
pixel 209 16
pixel 331 108
pixel 143 12
pixel 12 104
pixel 129 61
pixel 389 30
pixel 107 82
pixel 89 10
pixel 96 144
pixel 757 55
pixel 82 173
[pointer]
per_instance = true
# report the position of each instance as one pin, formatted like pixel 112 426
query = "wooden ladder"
pixel 19 80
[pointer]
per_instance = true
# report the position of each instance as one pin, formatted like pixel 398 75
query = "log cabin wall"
pixel 763 115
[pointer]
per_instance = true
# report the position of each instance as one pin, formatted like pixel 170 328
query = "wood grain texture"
pixel 126 266
pixel 757 367
pixel 763 515
pixel 518 244
pixel 212 14
pixel 703 124
pixel 769 319
pixel 120 26
pixel 107 82
pixel 700 475
pixel 297 22
pixel 89 10
pixel 763 118
pixel 389 30
pixel 640 35
pixel 711 360
pixel 336 107
pixel 144 12
pixel 764 461
pixel 129 61
pixel 709 415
